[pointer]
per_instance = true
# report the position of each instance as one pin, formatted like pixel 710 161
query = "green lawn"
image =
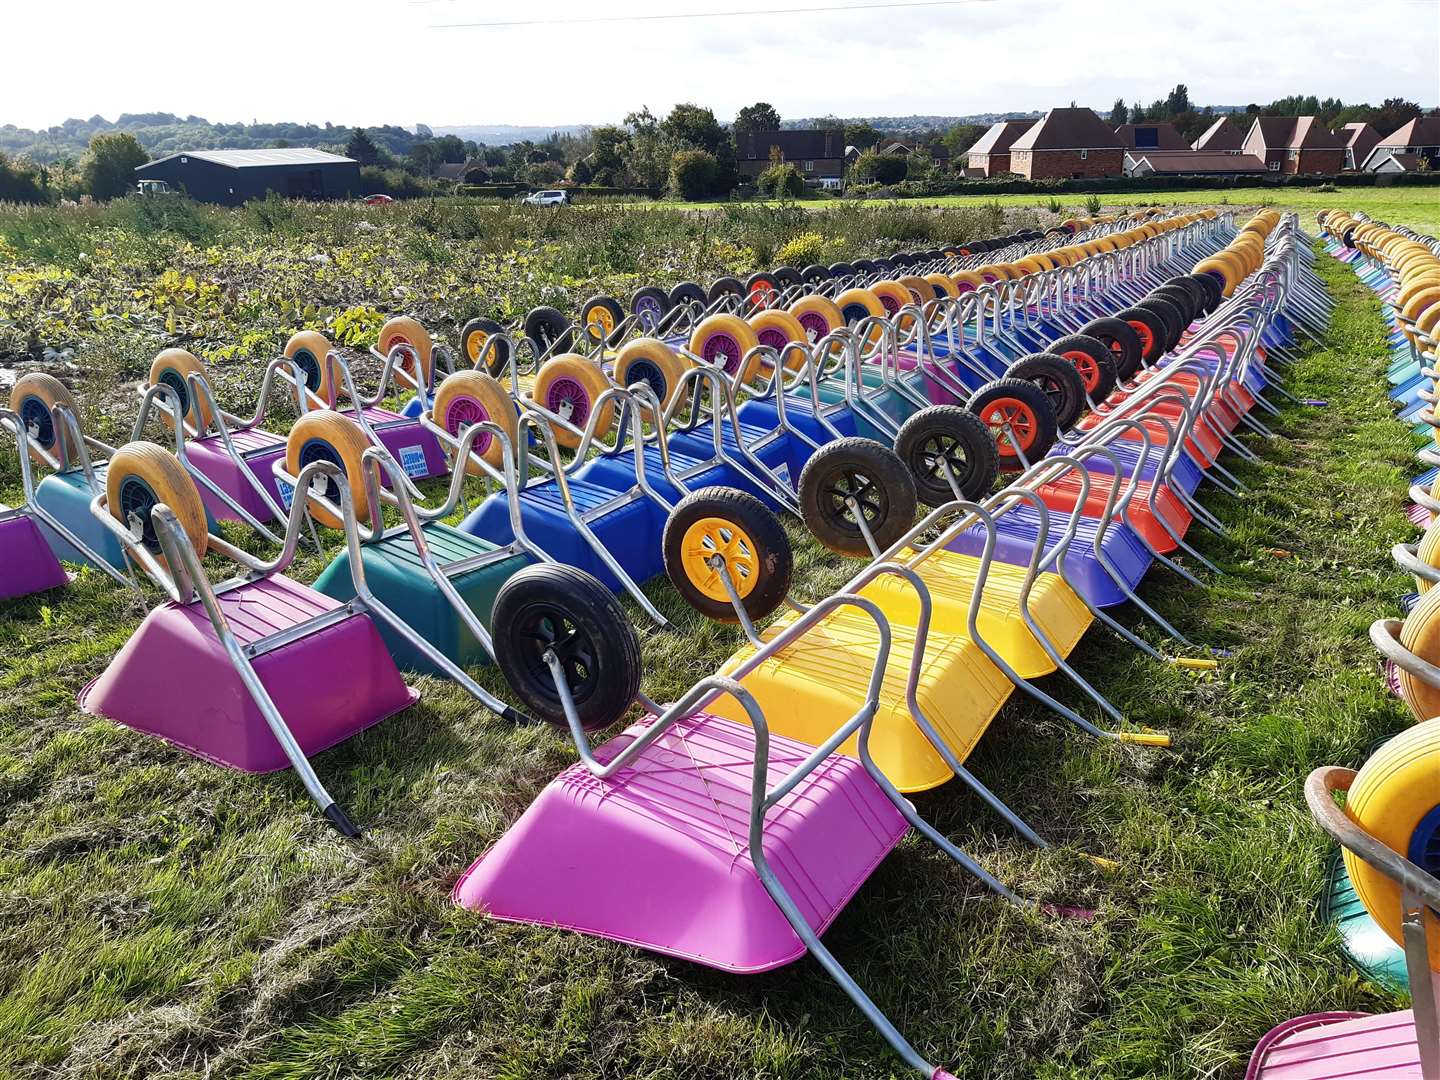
pixel 1418 207
pixel 162 917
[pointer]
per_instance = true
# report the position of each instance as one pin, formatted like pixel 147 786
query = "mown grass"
pixel 1418 207
pixel 163 917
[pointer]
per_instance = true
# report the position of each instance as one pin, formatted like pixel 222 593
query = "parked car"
pixel 547 198
pixel 377 200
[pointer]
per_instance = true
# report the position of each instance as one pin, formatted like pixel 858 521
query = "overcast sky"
pixel 396 61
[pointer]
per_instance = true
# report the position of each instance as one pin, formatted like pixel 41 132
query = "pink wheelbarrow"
pixel 232 672
pixel 690 835
pixel 1390 832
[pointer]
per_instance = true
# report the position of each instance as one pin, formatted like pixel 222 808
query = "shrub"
pixel 808 247
pixel 781 181
pixel 881 168
pixel 110 163
pixel 19 182
pixel 1092 204
pixel 693 174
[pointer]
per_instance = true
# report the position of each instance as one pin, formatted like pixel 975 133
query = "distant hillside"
pixel 506 134
pixel 165 133
pixel 910 124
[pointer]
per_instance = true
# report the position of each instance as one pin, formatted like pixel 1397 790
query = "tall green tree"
pixel 761 116
pixel 1119 113
pixel 645 156
pixel 693 126
pixel 108 169
pixel 362 148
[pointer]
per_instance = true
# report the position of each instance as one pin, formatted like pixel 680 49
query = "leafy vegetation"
pixel 166 918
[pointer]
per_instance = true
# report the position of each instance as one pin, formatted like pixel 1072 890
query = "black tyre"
pixel 1151 330
pixel 599 318
pixel 1180 299
pixel 687 292
pixel 549 332
pixel 1014 409
pixel 883 266
pixel 1121 340
pixel 1169 314
pixel 787 277
pixel 841 269
pixel 650 305
pixel 1062 384
pixel 734 526
pixel 1211 288
pixel 878 481
pixel 903 259
pixel 867 266
pixel 725 286
pixel 1197 293
pixel 550 605
pixel 959 439
pixel 1092 360
pixel 476 344
pixel 815 274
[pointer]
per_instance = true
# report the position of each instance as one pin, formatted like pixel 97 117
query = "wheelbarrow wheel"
pixel 858 304
pixel 549 332
pixel 173 368
pixel 1122 341
pixel 569 386
pixel 472 397
pixel 308 349
pixel 720 523
pixel 1396 799
pixel 1014 409
pixel 34 398
pixel 650 361
pixel 725 286
pixel 326 435
pixel 599 317
pixel 650 306
pixel 725 341
pixel 686 293
pixel 1169 315
pixel 1092 360
pixel 959 439
pixel 550 606
pixel 760 289
pixel 842 269
pixel 1062 384
pixel 142 475
pixel 1149 328
pixel 1210 287
pixel 403 330
pixel 870 474
pixel 787 277
pixel 815 274
pixel 777 328
pixel 475 343
pixel 818 315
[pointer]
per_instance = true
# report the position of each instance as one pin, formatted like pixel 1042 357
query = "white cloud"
pixel 386 61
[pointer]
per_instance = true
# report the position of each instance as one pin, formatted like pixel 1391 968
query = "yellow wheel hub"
pixel 714 536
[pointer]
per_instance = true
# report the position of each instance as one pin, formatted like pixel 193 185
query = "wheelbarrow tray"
pixel 1064 493
pixel 173 678
pixel 30 566
pixel 813 686
pixel 1336 1045
pixel 66 497
pixel 657 855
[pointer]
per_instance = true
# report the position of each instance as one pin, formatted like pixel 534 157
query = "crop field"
pixel 162 917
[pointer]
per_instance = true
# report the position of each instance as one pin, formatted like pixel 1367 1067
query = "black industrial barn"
pixel 233 176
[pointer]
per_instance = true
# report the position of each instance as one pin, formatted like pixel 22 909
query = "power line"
pixel 826 8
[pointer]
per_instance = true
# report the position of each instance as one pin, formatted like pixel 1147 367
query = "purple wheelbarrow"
pixel 691 835
pixel 1392 1046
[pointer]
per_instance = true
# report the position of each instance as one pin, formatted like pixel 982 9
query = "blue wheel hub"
pixel 648 372
pixel 320 450
pixel 309 367
pixel 138 498
pixel 176 382
pixel 39 422
pixel 1424 849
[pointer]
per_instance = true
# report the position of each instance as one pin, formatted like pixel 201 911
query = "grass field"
pixel 1418 207
pixel 162 917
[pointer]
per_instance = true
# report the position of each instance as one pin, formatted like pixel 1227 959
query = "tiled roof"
pixel 998 138
pixel 1161 135
pixel 1223 134
pixel 1068 129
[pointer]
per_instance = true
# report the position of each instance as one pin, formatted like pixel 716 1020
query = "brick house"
pixel 1298 145
pixel 819 154
pixel 1069 143
pixel 1360 139
pixel 1224 136
pixel 1418 140
pixel 990 156
pixel 1160 135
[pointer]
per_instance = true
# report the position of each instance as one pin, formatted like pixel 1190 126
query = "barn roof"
pixel 251 159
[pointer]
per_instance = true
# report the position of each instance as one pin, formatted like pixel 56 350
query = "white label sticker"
pixel 287 492
pixel 783 471
pixel 412 460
